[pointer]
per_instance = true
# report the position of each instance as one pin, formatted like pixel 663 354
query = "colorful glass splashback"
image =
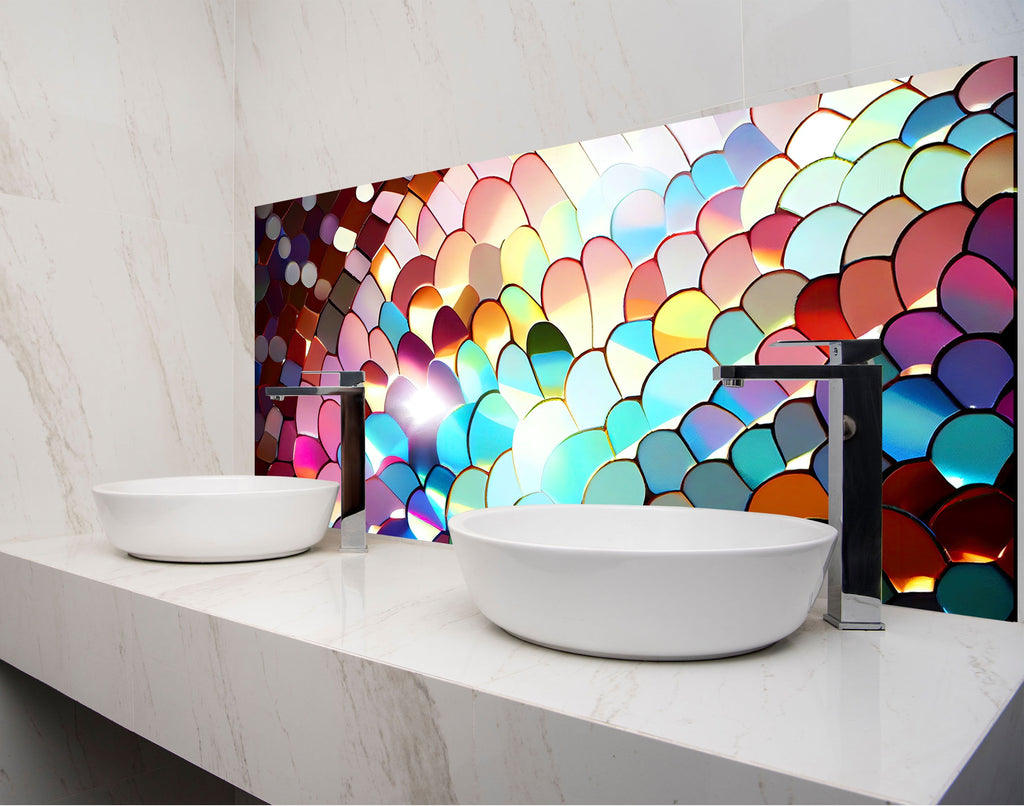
pixel 542 327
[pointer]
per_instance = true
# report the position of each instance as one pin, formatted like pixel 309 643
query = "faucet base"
pixel 854 625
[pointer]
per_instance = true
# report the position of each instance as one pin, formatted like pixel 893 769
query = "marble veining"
pixel 412 694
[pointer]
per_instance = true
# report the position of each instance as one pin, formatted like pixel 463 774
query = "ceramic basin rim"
pixel 137 488
pixel 827 535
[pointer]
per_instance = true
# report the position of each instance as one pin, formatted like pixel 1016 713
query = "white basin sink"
pixel 647 583
pixel 210 519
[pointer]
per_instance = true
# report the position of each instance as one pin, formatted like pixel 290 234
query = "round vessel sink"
pixel 646 583
pixel 209 519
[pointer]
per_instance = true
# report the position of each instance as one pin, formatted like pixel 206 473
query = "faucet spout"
pixel 854 472
pixel 349 390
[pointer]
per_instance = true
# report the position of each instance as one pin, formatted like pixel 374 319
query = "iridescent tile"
pixel 393 323
pixel 916 337
pixel 493 211
pixel 607 271
pixel 618 482
pixel 976 372
pixel 516 381
pixel 550 357
pixel 524 261
pixel 991 235
pixel 491 329
pixel 663 459
pixel 817 137
pixel 681 259
pixel 972 447
pixel 638 224
pixel 733 338
pixel 491 429
pixel 880 121
pixel 385 441
pixel 400 479
pixel 715 484
pixel 560 232
pixel 626 425
pixel 644 292
pixel 976 589
pixel 572 463
pixel 876 176
pixel 467 492
pixel 751 401
pixel 818 314
pixel 768 239
pixel 728 271
pixel 910 556
pixel 816 185
pixel 912 409
pixel 868 295
pixel 712 174
pixel 474 371
pixel 779 120
pixel 975 525
pixel 590 391
pixel 924 250
pixel 797 429
pixel 547 425
pixel 796 493
pixel 536 187
pixel 977 131
pixel 308 456
pixel 745 150
pixel 991 171
pixel 817 243
pixel 682 204
pixel 708 428
pixel 503 488
pixel 935 175
pixel 987 83
pixel 683 322
pixel 676 385
pixel 755 456
pixel 932 118
pixel 915 487
pixel 453 438
pixel 523 312
pixel 423 521
pixel 567 303
pixel 976 296
pixel 720 218
pixel 414 357
pixel 771 300
pixel 763 189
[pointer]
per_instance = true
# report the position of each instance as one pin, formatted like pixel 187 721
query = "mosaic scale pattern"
pixel 542 327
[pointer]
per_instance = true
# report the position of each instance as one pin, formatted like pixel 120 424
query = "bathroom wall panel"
pixel 115 220
pixel 119 368
pixel 120 106
pixel 542 328
pixel 815 45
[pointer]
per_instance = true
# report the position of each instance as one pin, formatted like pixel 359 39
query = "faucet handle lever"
pixel 844 351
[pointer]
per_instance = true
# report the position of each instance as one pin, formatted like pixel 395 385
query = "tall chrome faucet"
pixel 353 448
pixel 854 471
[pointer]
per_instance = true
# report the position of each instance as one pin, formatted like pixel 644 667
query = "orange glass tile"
pixel 794 493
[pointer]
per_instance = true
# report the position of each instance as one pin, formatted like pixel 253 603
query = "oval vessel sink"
pixel 210 519
pixel 646 583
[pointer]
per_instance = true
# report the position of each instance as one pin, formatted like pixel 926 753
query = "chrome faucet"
pixel 353 448
pixel 854 471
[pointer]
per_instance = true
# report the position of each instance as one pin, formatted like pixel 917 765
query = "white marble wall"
pixel 116 297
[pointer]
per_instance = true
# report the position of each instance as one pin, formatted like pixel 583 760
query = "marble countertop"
pixel 330 677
